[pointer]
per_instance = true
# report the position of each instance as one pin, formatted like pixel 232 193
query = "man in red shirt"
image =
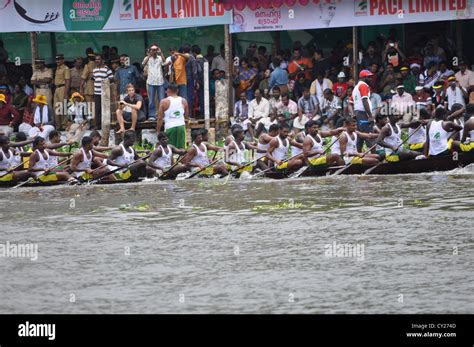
pixel 339 88
pixel 299 64
pixel 421 98
pixel 9 116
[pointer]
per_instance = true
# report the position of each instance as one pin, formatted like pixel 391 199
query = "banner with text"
pixel 108 15
pixel 338 13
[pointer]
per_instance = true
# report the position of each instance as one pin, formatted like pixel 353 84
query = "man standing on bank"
pixel 174 112
pixel 100 73
pixel 41 80
pixel 363 108
pixel 62 82
pixel 154 61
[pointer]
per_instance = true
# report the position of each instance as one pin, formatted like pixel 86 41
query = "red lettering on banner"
pixel 146 10
pixel 173 12
pixel 392 9
pixel 374 4
pixel 155 12
pixel 443 5
pixel 426 5
pixel 188 6
pixel 137 5
pixel 452 7
pixel 382 8
pixel 204 8
pixel 410 6
pixel 462 5
pixel 220 9
pixel 211 11
pixel 163 9
pixel 196 6
pixel 436 6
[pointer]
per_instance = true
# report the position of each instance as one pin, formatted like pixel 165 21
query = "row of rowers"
pixel 279 149
pixel 431 135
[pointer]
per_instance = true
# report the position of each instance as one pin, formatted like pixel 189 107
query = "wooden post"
pixel 230 68
pixel 105 99
pixel 459 39
pixel 34 47
pixel 34 53
pixel 355 54
pixel 54 50
pixel 206 96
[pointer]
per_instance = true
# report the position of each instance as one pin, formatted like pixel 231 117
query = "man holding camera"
pixel 154 63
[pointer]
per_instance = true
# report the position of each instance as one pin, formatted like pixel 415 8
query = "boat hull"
pixel 432 164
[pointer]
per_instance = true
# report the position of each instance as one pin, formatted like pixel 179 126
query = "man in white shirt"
pixel 154 63
pixel 403 104
pixel 376 102
pixel 308 108
pixel 454 93
pixel 464 76
pixel 173 112
pixel 274 100
pixel 331 108
pixel 319 85
pixel 288 109
pixel 259 113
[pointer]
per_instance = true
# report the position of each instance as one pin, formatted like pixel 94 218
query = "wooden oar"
pixel 212 163
pixel 271 167
pixel 94 180
pixel 369 170
pixel 80 135
pixel 204 168
pixel 165 173
pixel 246 164
pixel 97 168
pixel 30 180
pixel 338 172
pixel 14 168
pixel 305 168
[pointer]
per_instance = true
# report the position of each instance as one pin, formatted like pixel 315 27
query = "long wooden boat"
pixel 431 164
pixel 11 184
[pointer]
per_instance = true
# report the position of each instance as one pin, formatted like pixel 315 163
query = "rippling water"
pixel 248 246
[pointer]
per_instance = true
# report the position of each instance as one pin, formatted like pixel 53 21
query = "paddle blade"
pixel 369 170
pixel 341 170
pixel 183 176
pixel 299 172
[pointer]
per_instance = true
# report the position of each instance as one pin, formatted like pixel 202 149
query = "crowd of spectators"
pixel 296 85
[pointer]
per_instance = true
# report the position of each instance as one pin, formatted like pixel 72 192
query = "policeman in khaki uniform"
pixel 41 80
pixel 87 83
pixel 62 81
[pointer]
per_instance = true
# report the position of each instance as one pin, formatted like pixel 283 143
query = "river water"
pixel 243 246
